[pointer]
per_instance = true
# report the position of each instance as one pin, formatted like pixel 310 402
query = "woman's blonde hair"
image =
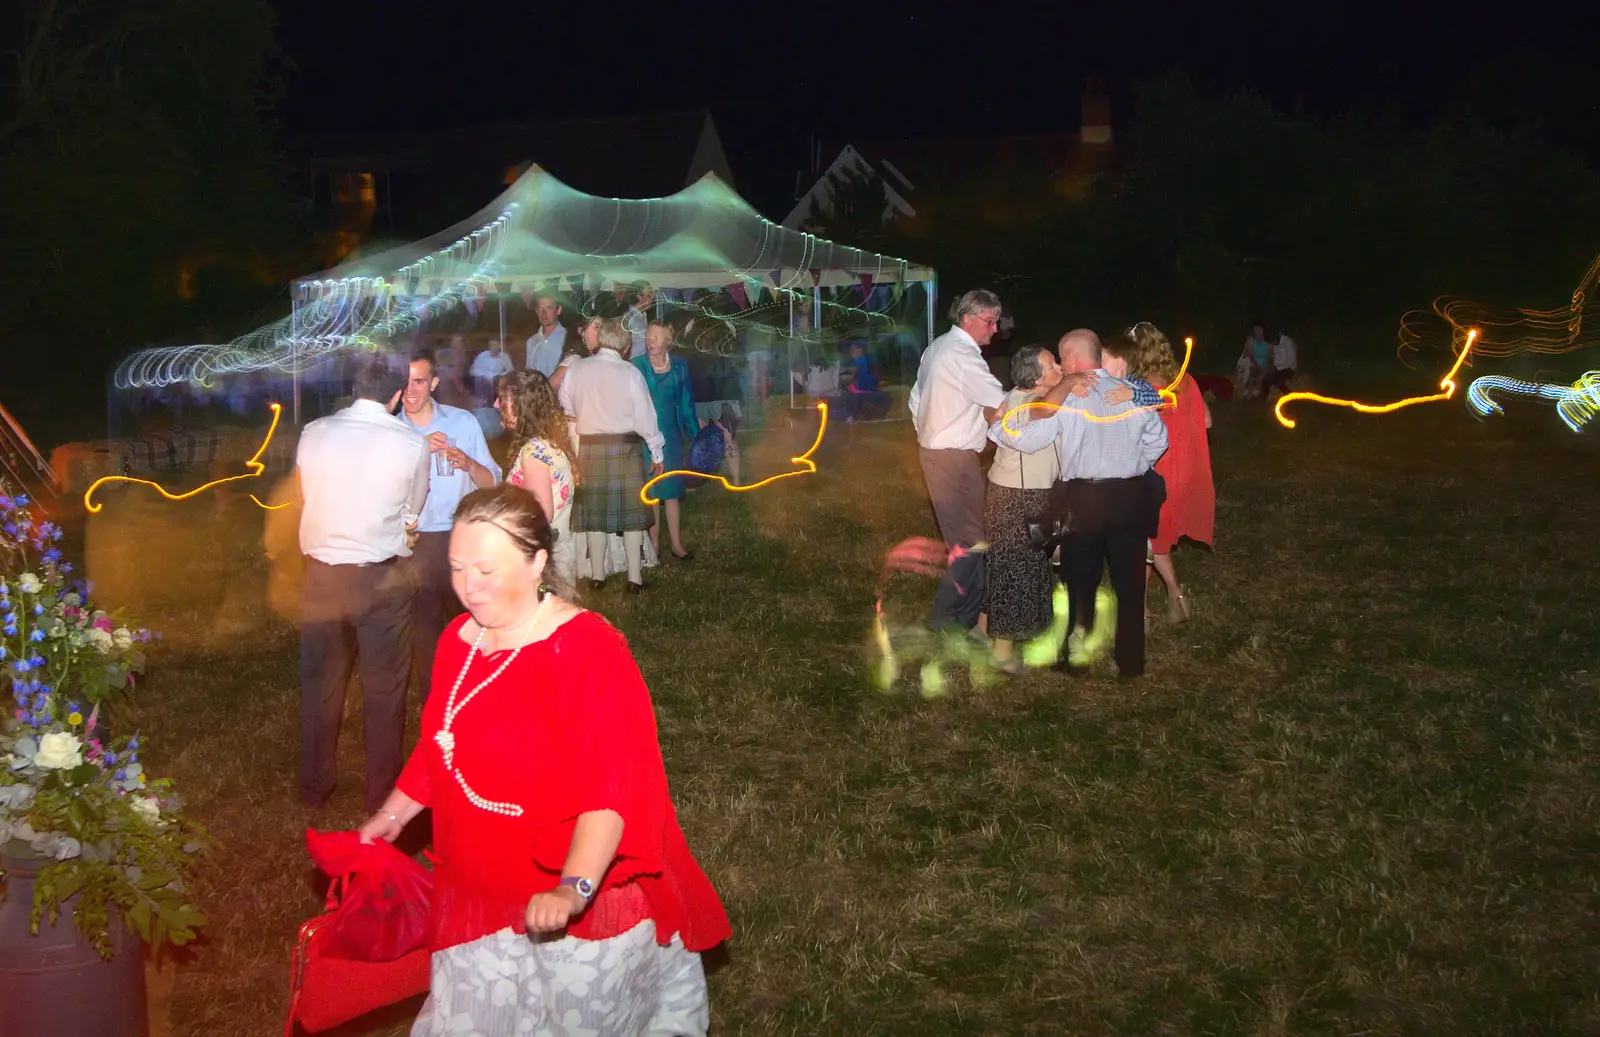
pixel 1152 359
pixel 666 329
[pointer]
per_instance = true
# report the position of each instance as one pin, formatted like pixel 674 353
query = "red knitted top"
pixel 567 728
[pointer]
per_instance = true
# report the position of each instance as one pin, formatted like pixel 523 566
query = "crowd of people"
pixel 1094 471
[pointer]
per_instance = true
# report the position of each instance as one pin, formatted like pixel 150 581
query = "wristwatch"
pixel 584 887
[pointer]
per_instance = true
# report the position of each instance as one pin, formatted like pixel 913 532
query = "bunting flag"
pixel 866 285
pixel 736 292
pixel 816 278
pixel 753 289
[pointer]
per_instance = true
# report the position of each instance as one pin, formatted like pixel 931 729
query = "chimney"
pixel 1096 114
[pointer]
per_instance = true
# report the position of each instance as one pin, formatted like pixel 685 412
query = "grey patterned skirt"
pixel 1018 583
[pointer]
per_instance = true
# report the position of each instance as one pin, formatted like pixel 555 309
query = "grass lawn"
pixel 1356 796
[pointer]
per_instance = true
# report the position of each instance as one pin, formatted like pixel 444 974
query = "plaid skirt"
pixel 608 499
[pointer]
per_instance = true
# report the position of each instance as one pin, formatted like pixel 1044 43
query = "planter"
pixel 55 983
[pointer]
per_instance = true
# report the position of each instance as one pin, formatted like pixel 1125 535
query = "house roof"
pixel 618 157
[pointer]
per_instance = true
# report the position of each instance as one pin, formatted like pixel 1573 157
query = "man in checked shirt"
pixel 1102 463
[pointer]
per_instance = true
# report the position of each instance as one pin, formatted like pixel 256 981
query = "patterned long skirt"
pixel 613 474
pixel 1018 582
pixel 509 984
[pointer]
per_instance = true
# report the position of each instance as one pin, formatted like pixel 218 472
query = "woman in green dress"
pixel 668 379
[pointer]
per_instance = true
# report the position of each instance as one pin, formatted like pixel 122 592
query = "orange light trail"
pixel 1169 398
pixel 254 464
pixel 1447 389
pixel 808 466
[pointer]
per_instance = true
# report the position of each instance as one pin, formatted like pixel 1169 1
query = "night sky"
pixel 775 73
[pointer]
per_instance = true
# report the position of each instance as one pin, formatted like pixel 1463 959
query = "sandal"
pixel 1179 610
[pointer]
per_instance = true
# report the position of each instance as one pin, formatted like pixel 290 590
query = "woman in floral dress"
pixel 544 463
pixel 566 900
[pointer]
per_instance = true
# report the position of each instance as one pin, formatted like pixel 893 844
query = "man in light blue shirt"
pixel 1104 450
pixel 461 464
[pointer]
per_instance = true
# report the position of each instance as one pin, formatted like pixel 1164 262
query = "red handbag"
pixel 326 986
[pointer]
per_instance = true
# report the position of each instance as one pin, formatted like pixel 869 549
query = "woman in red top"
pixel 565 896
pixel 1190 509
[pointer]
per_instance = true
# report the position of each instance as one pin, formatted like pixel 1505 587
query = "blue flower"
pixel 111 759
pixel 22 666
pixel 3 652
pixel 36 636
pixel 38 610
pixel 65 567
pixel 52 555
pixel 121 775
pixel 22 500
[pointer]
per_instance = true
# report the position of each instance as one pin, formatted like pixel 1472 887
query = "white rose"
pixel 147 807
pixel 58 750
pixel 122 637
pixel 28 583
pixel 101 639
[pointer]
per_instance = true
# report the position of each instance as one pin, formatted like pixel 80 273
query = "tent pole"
pixel 930 288
pixel 790 352
pixel 502 296
pixel 294 344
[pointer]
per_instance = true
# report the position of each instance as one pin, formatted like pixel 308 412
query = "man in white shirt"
pixel 616 417
pixel 363 480
pixel 637 318
pixel 546 345
pixel 1103 464
pixel 462 464
pixel 953 402
pixel 487 366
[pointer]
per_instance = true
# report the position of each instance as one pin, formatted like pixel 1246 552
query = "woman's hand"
pixel 1079 383
pixel 551 911
pixel 1121 394
pixel 381 825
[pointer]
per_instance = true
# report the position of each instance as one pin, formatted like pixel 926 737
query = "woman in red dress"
pixel 565 897
pixel 1191 505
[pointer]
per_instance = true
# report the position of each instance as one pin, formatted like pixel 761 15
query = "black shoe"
pixel 635 588
pixel 687 556
pixel 595 586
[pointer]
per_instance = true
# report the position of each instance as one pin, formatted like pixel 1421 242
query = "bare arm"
pixel 419 490
pixel 595 838
pixel 536 477
pixel 396 812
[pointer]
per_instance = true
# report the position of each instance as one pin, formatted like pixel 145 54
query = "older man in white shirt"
pixel 616 419
pixel 546 345
pixel 954 400
pixel 1104 450
pixel 363 480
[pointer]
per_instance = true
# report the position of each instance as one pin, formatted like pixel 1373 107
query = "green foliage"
pixel 70 794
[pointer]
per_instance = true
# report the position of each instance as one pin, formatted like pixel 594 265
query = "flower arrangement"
pixel 70 793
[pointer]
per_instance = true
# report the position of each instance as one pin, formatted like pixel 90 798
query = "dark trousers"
pixel 436 604
pixel 349 612
pixel 1109 531
pixel 1277 379
pixel 956 488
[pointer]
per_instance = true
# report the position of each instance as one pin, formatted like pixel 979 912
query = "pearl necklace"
pixel 447 739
